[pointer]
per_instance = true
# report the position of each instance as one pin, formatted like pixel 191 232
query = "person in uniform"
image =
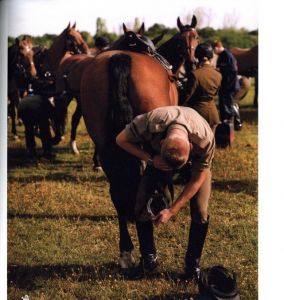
pixel 37 110
pixel 227 65
pixel 203 85
pixel 178 136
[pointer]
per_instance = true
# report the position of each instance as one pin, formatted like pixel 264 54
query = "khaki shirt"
pixel 204 84
pixel 152 127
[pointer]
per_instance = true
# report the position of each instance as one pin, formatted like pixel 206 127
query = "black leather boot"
pixel 147 265
pixel 197 235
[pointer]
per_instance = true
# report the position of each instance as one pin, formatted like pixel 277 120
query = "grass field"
pixel 63 231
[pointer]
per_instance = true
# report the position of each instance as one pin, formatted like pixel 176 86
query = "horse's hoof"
pixel 74 149
pixel 62 138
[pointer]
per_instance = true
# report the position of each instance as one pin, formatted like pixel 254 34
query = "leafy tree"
pixel 137 24
pixel 101 27
pixel 87 37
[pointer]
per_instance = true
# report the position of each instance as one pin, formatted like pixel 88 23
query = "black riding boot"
pixel 237 118
pixel 197 235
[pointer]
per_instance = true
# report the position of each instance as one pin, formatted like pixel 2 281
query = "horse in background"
pixel 21 70
pixel 48 61
pixel 179 51
pixel 247 60
pixel 129 84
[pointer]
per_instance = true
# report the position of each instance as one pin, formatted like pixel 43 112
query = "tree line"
pixel 230 36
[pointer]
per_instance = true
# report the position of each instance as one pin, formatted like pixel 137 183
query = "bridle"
pixel 73 46
pixel 188 41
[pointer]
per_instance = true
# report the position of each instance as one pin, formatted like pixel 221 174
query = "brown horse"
pixel 247 60
pixel 69 78
pixel 128 84
pixel 48 62
pixel 21 70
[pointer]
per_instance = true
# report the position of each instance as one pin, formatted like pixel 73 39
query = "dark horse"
pixel 21 70
pixel 247 60
pixel 129 84
pixel 180 53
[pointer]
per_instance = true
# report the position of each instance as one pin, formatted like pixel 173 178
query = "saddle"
pixel 141 44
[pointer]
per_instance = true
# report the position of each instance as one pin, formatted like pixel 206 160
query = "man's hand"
pixel 163 217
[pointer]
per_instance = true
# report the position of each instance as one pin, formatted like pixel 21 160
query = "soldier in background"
pixel 203 85
pixel 227 65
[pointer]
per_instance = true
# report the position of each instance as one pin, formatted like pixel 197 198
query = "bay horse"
pixel 129 84
pixel 21 70
pixel 48 61
pixel 247 60
pixel 69 78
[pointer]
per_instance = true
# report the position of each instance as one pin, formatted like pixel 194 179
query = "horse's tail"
pixel 120 110
pixel 122 168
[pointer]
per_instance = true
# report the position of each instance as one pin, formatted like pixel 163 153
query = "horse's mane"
pixel 168 50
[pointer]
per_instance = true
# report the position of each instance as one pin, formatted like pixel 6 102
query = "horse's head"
pixel 20 57
pixel 179 50
pixel 137 41
pixel 189 40
pixel 74 40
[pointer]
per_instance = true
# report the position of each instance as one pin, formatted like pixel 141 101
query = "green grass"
pixel 63 231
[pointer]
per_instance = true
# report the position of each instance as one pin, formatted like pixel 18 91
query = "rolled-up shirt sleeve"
pixel 203 157
pixel 137 130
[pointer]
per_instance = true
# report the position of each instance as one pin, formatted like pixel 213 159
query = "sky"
pixel 37 17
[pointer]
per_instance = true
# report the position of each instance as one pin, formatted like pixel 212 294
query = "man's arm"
pixel 136 150
pixel 132 148
pixel 196 180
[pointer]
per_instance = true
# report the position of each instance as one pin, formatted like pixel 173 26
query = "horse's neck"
pixel 56 52
pixel 168 51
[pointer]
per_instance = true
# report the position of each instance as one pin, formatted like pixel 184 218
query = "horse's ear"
pixel 158 38
pixel 124 28
pixel 68 27
pixel 141 29
pixel 17 41
pixel 74 25
pixel 193 21
pixel 179 24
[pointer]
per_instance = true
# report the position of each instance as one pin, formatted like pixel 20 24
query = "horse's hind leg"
pixel 123 172
pixel 74 124
pixel 96 161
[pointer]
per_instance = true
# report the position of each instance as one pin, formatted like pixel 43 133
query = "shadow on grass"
pixel 174 296
pixel 236 186
pixel 29 277
pixel 74 217
pixel 26 277
pixel 63 176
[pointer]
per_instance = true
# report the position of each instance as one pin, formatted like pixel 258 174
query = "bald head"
pixel 175 149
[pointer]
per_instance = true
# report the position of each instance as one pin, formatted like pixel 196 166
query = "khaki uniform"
pixel 152 127
pixel 202 87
